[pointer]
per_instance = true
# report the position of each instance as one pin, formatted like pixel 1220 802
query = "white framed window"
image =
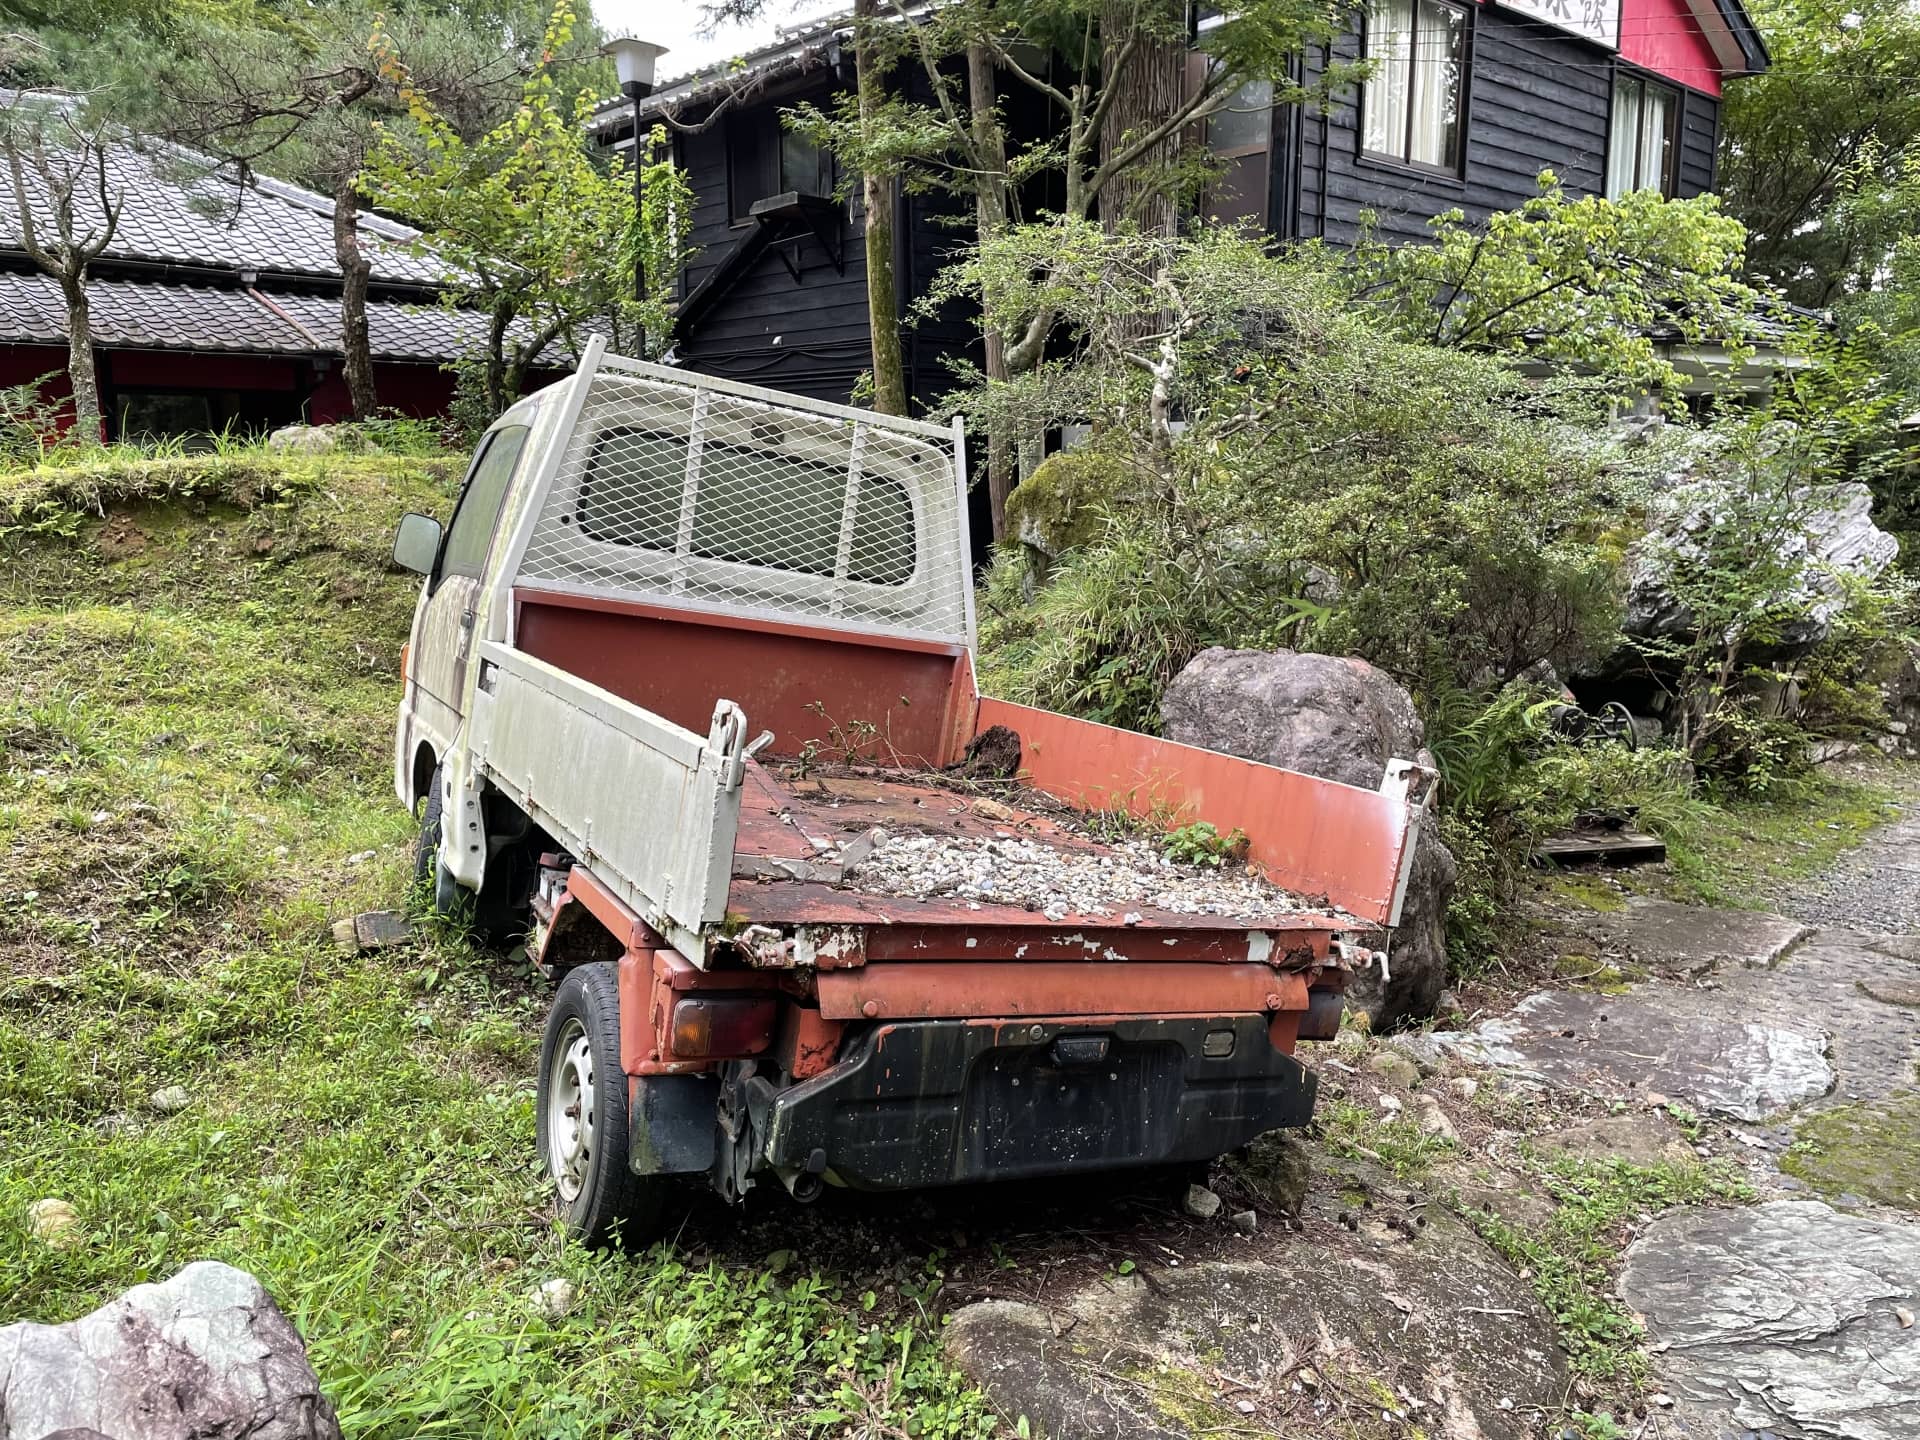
pixel 1643 140
pixel 1412 107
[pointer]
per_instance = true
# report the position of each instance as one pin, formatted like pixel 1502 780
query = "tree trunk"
pixel 990 215
pixel 355 271
pixel 80 370
pixel 1149 87
pixel 877 191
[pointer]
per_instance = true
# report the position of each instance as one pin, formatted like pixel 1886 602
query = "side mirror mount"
pixel 416 545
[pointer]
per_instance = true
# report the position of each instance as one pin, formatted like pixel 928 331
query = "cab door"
pixel 443 638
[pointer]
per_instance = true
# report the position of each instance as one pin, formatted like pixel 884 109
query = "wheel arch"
pixel 425 762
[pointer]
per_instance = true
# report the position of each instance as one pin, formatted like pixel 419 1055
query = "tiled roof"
pixel 138 315
pixel 177 208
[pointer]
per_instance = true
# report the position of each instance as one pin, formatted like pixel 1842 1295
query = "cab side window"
pixel 471 532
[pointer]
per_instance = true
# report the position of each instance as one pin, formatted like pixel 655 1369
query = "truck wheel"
pixel 582 1115
pixel 430 877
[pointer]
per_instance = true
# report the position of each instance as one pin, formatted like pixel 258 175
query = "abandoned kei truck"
pixel 689 701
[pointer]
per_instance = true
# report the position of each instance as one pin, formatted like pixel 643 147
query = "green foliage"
pixel 1331 486
pixel 195 761
pixel 1569 1256
pixel 29 421
pixel 1825 128
pixel 541 233
pixel 1585 281
pixel 1201 843
pixel 1729 546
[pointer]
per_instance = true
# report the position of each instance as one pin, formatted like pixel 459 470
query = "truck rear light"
pixel 406 662
pixel 1218 1044
pixel 724 1026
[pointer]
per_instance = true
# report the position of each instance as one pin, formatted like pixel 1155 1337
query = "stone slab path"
pixel 1793 1318
pixel 1795 1035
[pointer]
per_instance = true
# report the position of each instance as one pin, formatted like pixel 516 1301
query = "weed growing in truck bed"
pixel 194 780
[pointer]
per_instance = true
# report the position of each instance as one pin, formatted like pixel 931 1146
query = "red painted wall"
pixel 417 390
pixel 21 363
pixel 1663 36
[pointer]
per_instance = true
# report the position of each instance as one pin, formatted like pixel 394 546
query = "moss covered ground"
pixel 198 669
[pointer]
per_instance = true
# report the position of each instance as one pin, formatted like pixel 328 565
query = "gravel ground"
pixel 1874 889
pixel 1120 881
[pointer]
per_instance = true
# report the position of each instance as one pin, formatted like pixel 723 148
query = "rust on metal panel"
pixel 1284 1031
pixel 611 911
pixel 1312 836
pixel 636 986
pixel 808 1042
pixel 923 992
pixel 678 663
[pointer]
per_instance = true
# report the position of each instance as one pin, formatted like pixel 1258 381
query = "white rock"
pixel 54 1223
pixel 1463 1087
pixel 553 1298
pixel 205 1354
pixel 1432 1120
pixel 170 1099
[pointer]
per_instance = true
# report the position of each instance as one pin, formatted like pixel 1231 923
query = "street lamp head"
pixel 633 62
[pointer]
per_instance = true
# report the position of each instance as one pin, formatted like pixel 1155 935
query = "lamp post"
pixel 633 62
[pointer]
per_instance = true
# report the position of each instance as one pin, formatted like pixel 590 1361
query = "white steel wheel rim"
pixel 571 1117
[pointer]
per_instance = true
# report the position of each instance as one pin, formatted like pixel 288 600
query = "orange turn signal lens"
pixel 724 1027
pixel 406 662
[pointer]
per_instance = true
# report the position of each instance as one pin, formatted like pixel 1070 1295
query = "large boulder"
pixel 206 1354
pixel 1829 538
pixel 1341 719
pixel 304 439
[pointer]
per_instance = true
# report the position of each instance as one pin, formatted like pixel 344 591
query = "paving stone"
pixel 1782 1317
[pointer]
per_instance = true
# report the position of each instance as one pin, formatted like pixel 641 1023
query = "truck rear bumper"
pixel 938 1102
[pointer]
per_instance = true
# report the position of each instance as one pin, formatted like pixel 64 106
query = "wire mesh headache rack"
pixel 683 490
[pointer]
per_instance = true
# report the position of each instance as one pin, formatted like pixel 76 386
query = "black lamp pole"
pixel 633 64
pixel 637 91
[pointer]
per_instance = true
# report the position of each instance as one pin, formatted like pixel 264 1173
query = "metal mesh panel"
pixel 692 495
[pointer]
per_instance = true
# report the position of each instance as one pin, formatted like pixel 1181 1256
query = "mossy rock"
pixel 1870 1149
pixel 1062 505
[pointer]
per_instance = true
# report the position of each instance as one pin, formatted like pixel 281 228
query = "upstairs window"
pixel 1239 137
pixel 1641 145
pixel 764 158
pixel 1411 109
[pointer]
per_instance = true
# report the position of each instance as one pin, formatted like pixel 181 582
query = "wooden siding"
pixel 807 336
pixel 1535 100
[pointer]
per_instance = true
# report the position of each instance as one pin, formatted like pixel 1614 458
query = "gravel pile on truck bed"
pixel 1118 880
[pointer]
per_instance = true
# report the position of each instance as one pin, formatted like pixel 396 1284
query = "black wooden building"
pixel 1469 102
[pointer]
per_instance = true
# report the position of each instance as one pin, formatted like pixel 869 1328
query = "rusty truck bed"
pixel 788 823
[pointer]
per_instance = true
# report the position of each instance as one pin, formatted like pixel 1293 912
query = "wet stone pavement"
pixel 1796 1043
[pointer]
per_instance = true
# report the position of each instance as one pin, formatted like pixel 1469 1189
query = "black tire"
pixel 600 1198
pixel 430 877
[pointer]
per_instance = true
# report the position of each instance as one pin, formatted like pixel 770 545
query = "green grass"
pixel 200 665
pixel 1753 849
pixel 1571 1257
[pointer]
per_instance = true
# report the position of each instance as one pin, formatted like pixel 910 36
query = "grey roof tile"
pixel 178 207
pixel 139 315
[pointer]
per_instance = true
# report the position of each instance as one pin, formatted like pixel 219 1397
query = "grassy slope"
pixel 198 664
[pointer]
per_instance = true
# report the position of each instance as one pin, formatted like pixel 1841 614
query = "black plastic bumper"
pixel 938 1102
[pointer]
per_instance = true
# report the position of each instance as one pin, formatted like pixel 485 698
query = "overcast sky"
pixel 676 24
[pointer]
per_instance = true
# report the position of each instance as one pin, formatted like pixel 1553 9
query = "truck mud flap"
pixel 671 1124
pixel 940 1102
